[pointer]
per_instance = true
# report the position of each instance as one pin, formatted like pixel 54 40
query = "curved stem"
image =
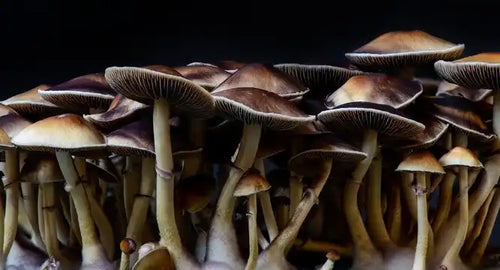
pixel 61 226
pixel 454 249
pixel 141 204
pixel 93 254
pixel 252 233
pixel 28 191
pixel 394 214
pixel 11 198
pixel 165 211
pixel 75 234
pixel 50 223
pixel 265 203
pixel 222 242
pixel 423 228
pixel 296 189
pixel 131 180
pixel 478 225
pixel 444 205
pixel 375 222
pixel 409 195
pixel 479 247
pixel 364 249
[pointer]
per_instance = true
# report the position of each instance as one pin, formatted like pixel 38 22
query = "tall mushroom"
pixel 421 164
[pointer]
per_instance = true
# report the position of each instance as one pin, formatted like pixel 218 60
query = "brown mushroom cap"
pixel 460 156
pixel 41 168
pixel 128 246
pixel 420 162
pixel 67 132
pixel 251 183
pixel 449 89
pixel 153 256
pixel 475 72
pixel 256 106
pixel 12 124
pixel 82 93
pixel 205 76
pixel 461 114
pixel 323 147
pixel 318 78
pixel 434 130
pixel 264 77
pixel 121 111
pixel 134 139
pixel 404 48
pixel 154 82
pixel 357 116
pixel 31 105
pixel 376 88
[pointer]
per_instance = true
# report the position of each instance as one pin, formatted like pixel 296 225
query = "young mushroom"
pixel 421 164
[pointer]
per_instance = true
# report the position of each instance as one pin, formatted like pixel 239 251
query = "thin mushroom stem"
pixel 419 262
pixel 394 216
pixel 409 195
pixel 104 228
pixel 165 211
pixel 265 203
pixel 375 222
pixel 445 198
pixel 252 233
pixel 222 242
pixel 28 192
pixel 477 253
pixel 454 250
pixel 50 223
pixel 10 182
pixel 140 207
pixel 263 243
pixel 75 235
pixel 363 246
pixel 131 179
pixel 478 225
pixel 93 254
pixel 496 112
pixel 41 222
pixel 61 226
pixel 296 190
pixel 328 265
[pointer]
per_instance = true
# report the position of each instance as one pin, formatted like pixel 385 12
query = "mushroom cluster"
pixel 236 165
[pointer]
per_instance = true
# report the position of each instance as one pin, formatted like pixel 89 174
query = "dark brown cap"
pixel 420 162
pixel 404 48
pixel 134 139
pixel 154 82
pixel 376 88
pixel 357 116
pixel 82 93
pixel 67 132
pixel 121 111
pixel 320 79
pixel 31 105
pixel 256 106
pixel 205 76
pixel 476 71
pixel 449 89
pixel 264 77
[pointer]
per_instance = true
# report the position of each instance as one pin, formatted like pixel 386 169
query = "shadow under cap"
pixel 449 89
pixel 475 72
pixel 357 116
pixel 155 82
pixel 41 168
pixel 264 77
pixel 257 106
pixel 404 48
pixel 376 88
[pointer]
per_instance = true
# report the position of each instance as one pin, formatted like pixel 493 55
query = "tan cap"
pixel 31 105
pixel 460 156
pixel 376 88
pixel 251 183
pixel 420 162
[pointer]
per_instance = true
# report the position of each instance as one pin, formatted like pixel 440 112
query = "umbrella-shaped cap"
pixel 264 77
pixel 251 183
pixel 134 139
pixel 205 76
pixel 155 82
pixel 376 88
pixel 420 162
pixel 450 89
pixel 460 156
pixel 404 48
pixel 66 132
pixel 31 105
pixel 476 71
pixel 256 106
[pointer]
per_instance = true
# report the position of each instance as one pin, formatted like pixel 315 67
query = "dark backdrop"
pixel 45 41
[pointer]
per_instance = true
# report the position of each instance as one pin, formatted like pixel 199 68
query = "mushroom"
pixel 464 159
pixel 79 137
pixel 400 51
pixel 331 258
pixel 450 89
pixel 127 246
pixel 208 77
pixel 421 164
pixel 167 88
pixel 154 256
pixel 257 109
pixel 250 184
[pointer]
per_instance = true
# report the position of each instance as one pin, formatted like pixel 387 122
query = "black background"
pixel 47 41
